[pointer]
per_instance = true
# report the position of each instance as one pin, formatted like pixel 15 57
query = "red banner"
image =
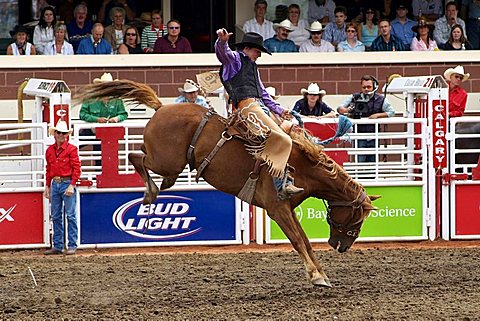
pixel 21 218
pixel 439 129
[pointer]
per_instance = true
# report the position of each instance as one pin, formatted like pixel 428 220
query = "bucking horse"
pixel 181 133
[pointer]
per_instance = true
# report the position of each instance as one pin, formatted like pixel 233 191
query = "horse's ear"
pixel 367 206
pixel 374 197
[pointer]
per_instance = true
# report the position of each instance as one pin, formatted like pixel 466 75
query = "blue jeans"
pixel 59 202
pixel 366 143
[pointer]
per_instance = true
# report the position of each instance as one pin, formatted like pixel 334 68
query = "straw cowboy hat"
pixel 252 40
pixel 104 78
pixel 272 92
pixel 61 126
pixel 315 26
pixel 423 23
pixel 146 17
pixel 286 24
pixel 188 87
pixel 457 70
pixel 313 89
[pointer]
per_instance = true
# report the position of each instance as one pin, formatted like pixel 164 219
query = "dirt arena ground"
pixel 393 281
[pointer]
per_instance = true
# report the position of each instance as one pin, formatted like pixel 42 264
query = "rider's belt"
pixel 59 179
pixel 245 102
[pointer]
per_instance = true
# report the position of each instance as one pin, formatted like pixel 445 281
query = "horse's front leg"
pixel 138 161
pixel 287 221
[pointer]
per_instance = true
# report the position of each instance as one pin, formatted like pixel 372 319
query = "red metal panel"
pixel 21 218
pixel 467 209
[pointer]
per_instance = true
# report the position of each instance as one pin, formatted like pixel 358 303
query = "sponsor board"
pixel 399 214
pixel 21 218
pixel 121 217
pixel 467 210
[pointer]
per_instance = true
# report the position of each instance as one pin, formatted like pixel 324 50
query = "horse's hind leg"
pixel 289 224
pixel 138 161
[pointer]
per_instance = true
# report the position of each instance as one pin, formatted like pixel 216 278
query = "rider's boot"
pixel 285 187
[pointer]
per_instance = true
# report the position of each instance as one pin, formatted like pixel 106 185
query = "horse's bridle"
pixel 355 204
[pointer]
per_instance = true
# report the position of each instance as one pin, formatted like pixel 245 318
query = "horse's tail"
pixel 128 90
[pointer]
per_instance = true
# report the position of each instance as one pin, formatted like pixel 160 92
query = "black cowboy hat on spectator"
pixel 252 40
pixel 423 23
pixel 17 29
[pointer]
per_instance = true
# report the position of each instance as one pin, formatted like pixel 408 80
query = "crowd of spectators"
pixel 366 25
pixel 113 31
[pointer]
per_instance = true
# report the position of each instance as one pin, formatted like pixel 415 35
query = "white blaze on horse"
pixel 168 136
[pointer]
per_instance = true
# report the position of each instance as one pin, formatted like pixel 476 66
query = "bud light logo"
pixel 166 219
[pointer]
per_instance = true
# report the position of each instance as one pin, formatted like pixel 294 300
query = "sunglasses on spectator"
pixel 173 27
pixel 316 32
pixel 459 77
pixel 351 30
pixel 131 34
pixel 60 133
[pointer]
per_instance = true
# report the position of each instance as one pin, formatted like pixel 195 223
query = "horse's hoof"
pixel 322 282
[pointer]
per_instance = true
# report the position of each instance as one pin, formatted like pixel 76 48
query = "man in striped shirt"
pixel 154 31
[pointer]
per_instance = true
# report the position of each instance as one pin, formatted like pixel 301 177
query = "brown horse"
pixel 167 137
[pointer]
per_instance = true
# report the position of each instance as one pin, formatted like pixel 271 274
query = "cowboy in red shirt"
pixel 457 96
pixel 62 173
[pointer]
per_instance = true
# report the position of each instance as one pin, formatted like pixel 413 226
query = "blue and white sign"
pixel 191 217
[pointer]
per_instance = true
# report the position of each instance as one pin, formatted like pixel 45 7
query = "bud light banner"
pixel 176 217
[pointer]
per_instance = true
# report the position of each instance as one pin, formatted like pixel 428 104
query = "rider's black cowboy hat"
pixel 252 40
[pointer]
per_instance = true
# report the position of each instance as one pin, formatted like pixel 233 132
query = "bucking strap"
pixel 206 160
pixel 191 148
pixel 248 190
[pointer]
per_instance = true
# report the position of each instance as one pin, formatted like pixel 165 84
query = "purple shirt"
pixel 163 45
pixel 231 66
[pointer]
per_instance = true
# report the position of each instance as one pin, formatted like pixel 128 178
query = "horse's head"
pixel 346 218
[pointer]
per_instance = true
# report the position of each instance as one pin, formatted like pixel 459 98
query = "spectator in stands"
pixel 59 45
pixel 402 26
pixel 315 43
pixel 471 14
pixel 189 94
pixel 335 32
pixel 352 44
pixel 355 8
pixel 321 10
pixel 369 28
pixel 80 27
pixel 102 111
pixel 386 41
pixel 62 173
pixel 281 13
pixel 429 10
pixel 259 24
pixel 241 79
pixel 131 42
pixel 367 103
pixel 43 33
pixel 20 46
pixel 107 5
pixel 95 44
pixel 457 96
pixel 65 11
pixel 385 9
pixel 272 92
pixel 115 33
pixel 443 26
pixel 172 42
pixel 152 32
pixel 424 39
pixel 298 34
pixel 280 42
pixel 457 40
pixel 311 105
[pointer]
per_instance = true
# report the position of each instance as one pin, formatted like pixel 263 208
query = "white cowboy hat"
pixel 188 87
pixel 457 70
pixel 313 89
pixel 272 92
pixel 315 26
pixel 104 78
pixel 61 126
pixel 286 24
